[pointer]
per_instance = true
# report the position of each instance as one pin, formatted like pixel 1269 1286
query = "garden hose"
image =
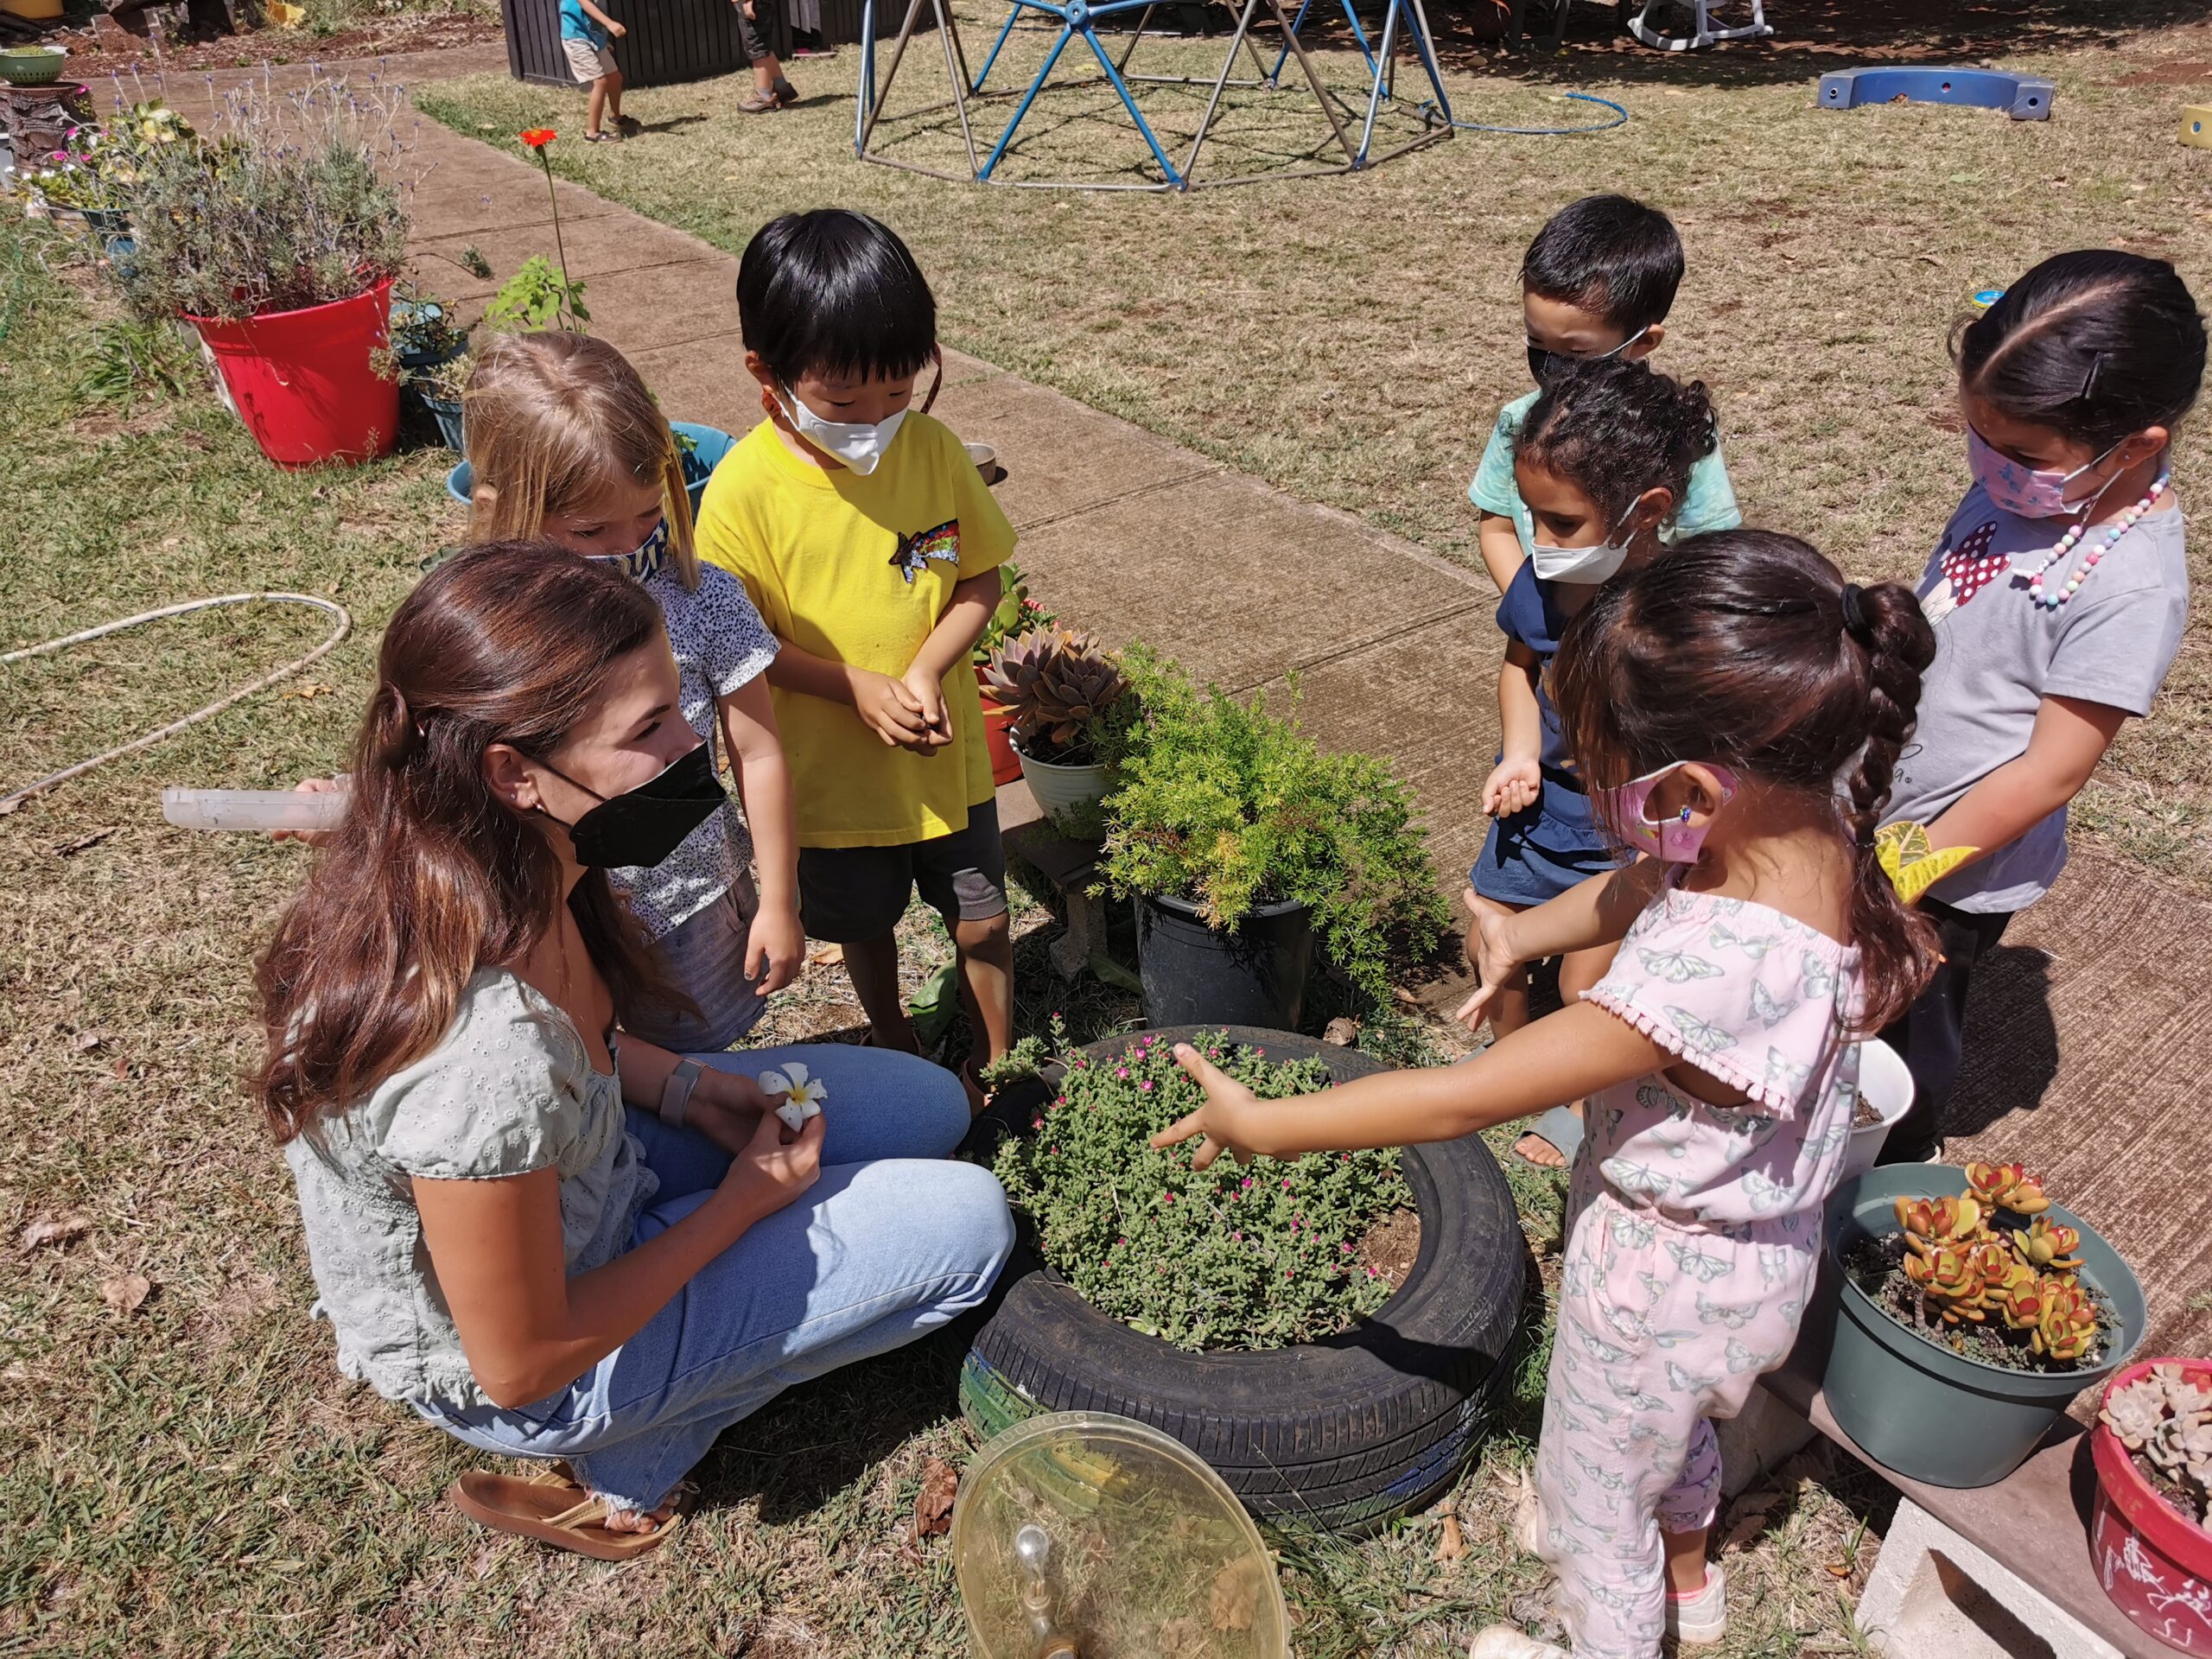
pixel 9 803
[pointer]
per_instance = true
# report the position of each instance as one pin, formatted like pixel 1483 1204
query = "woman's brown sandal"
pixel 556 1511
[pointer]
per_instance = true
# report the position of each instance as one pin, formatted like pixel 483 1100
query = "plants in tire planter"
pixel 1972 1311
pixel 283 256
pixel 1346 1431
pixel 1244 845
pixel 1236 1256
pixel 1073 711
pixel 2152 1448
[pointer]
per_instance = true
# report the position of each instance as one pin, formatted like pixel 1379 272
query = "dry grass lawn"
pixel 191 1476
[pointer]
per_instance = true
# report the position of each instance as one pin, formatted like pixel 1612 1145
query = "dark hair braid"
pixel 1747 649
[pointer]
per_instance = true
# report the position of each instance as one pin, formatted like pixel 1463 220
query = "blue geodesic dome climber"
pixel 1367 124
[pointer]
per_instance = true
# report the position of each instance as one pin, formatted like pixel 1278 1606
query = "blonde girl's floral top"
pixel 510 1089
pixel 1763 1003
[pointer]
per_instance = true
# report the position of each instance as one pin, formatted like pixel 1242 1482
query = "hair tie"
pixel 1855 614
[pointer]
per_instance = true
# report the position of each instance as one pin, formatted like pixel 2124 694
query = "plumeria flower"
pixel 802 1095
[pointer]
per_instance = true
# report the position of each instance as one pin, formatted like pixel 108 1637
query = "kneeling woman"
pixel 499 1241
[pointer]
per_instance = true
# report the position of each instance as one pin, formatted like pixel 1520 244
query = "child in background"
pixel 867 538
pixel 1721 701
pixel 771 90
pixel 1598 282
pixel 567 446
pixel 1602 459
pixel 584 33
pixel 2059 593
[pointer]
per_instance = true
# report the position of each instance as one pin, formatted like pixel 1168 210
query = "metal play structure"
pixel 1352 129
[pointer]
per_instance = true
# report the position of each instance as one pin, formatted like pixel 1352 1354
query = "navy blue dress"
pixel 1541 851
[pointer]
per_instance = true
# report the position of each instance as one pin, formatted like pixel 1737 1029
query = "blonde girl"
pixel 567 446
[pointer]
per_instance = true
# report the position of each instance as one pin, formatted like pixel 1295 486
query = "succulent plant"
pixel 2015 1297
pixel 2007 1186
pixel 1930 1224
pixel 2167 1419
pixel 2066 1329
pixel 1057 683
pixel 2048 1246
pixel 1956 1280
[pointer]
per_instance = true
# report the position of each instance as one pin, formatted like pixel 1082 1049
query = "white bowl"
pixel 1885 1084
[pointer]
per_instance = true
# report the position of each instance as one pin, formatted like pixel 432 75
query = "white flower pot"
pixel 1885 1084
pixel 1064 793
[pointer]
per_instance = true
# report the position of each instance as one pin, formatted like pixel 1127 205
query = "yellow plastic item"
pixel 283 15
pixel 36 11
pixel 2196 125
pixel 1906 859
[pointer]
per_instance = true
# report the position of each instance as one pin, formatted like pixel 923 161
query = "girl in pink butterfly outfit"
pixel 2059 594
pixel 1738 709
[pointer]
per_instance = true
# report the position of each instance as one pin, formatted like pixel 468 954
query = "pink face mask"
pixel 2028 491
pixel 1676 840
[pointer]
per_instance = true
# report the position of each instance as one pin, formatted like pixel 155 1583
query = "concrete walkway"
pixel 2086 1054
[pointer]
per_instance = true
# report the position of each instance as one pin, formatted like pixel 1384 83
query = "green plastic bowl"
pixel 33 66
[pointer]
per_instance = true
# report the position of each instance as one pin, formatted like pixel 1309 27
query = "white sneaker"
pixel 1504 1641
pixel 1701 1620
pixel 1528 1516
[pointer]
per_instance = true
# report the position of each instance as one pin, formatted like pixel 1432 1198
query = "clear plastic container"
pixel 261 809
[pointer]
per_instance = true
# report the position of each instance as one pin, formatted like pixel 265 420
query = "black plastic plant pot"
pixel 1195 974
pixel 452 427
pixel 1346 1433
pixel 1921 1410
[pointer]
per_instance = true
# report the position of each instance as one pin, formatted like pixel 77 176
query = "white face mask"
pixel 859 444
pixel 1582 564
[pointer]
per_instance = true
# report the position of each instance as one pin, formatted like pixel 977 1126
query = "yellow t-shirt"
pixel 859 570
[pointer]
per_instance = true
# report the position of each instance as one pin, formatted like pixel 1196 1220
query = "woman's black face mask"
pixel 641 827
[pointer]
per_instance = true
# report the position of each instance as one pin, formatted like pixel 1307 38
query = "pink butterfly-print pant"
pixel 1663 1327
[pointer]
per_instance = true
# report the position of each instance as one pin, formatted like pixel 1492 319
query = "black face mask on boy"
pixel 641 827
pixel 1542 361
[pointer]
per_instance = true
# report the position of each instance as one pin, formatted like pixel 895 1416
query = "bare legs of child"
pixel 983 964
pixel 1509 1011
pixel 605 103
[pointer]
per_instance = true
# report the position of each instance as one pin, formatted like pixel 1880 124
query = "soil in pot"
pixel 1237 1256
pixel 1876 1266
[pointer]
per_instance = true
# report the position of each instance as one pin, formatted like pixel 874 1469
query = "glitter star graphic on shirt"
pixel 914 552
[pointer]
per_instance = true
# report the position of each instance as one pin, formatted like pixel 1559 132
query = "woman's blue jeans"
pixel 893 1241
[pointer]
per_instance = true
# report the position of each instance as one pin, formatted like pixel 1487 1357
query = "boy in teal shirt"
pixel 1598 282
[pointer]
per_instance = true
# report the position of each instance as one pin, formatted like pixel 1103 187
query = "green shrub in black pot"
pixel 1244 846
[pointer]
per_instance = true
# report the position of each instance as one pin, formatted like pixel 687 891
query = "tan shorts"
pixel 588 62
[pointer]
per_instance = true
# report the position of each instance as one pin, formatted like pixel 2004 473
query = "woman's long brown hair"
pixel 430 876
pixel 1738 648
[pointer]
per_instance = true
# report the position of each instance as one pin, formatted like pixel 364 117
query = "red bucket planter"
pixel 2154 1562
pixel 998 737
pixel 303 381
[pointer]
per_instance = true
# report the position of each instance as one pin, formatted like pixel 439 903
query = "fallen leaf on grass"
pixel 1235 1598
pixel 90 838
pixel 1839 1569
pixel 306 688
pixel 1751 1513
pixel 126 1292
pixel 89 1040
pixel 1450 1547
pixel 933 1504
pixel 827 955
pixel 1342 1030
pixel 53 1229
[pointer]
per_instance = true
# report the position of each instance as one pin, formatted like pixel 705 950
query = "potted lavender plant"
pixel 278 239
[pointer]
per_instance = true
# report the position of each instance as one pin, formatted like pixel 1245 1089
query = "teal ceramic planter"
pixel 1921 1410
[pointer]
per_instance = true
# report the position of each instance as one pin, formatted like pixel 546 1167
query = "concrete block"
pixel 1758 1440
pixel 1933 1593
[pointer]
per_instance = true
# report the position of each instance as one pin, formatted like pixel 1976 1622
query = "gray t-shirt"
pixel 1999 655
pixel 510 1089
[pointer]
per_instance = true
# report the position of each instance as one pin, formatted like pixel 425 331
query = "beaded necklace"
pixel 2121 526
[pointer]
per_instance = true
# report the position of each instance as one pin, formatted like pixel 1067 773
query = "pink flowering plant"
pixel 1255 1255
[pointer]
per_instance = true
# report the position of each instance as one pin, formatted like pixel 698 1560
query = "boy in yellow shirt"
pixel 868 542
